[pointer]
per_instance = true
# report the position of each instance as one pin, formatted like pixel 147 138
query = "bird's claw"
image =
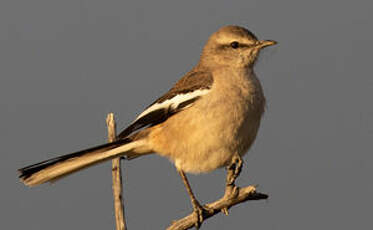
pixel 198 211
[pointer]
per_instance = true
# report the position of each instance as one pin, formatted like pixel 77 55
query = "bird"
pixel 210 117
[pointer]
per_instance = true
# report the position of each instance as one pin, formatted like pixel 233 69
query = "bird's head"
pixel 233 46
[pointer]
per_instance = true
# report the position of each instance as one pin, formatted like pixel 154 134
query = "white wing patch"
pixel 173 102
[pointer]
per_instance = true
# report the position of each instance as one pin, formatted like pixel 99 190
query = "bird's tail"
pixel 53 169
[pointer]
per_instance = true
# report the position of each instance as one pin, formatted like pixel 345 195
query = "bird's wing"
pixel 182 95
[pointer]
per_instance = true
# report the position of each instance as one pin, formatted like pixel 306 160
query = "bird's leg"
pixel 198 209
pixel 234 169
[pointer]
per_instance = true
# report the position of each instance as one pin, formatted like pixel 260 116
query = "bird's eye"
pixel 235 45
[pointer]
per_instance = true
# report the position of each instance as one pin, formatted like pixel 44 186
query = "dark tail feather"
pixel 30 170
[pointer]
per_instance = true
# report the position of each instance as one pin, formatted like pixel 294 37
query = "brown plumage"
pixel 210 116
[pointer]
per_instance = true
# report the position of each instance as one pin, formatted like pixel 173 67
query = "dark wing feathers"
pixel 194 80
pixel 150 119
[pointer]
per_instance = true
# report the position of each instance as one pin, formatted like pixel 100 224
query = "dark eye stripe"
pixel 241 45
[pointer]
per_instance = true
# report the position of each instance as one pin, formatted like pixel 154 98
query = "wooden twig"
pixel 233 196
pixel 117 178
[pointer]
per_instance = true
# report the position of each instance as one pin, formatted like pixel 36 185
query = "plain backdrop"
pixel 65 64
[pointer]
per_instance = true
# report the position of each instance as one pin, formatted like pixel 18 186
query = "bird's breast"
pixel 221 123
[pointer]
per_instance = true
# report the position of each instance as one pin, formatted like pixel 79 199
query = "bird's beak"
pixel 265 43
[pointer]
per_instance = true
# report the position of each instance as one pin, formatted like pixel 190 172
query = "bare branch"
pixel 222 205
pixel 117 178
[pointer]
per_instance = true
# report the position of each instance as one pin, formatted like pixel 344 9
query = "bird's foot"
pixel 198 211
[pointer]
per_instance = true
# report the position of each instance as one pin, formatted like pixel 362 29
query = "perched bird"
pixel 210 116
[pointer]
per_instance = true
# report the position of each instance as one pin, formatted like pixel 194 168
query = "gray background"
pixel 66 64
